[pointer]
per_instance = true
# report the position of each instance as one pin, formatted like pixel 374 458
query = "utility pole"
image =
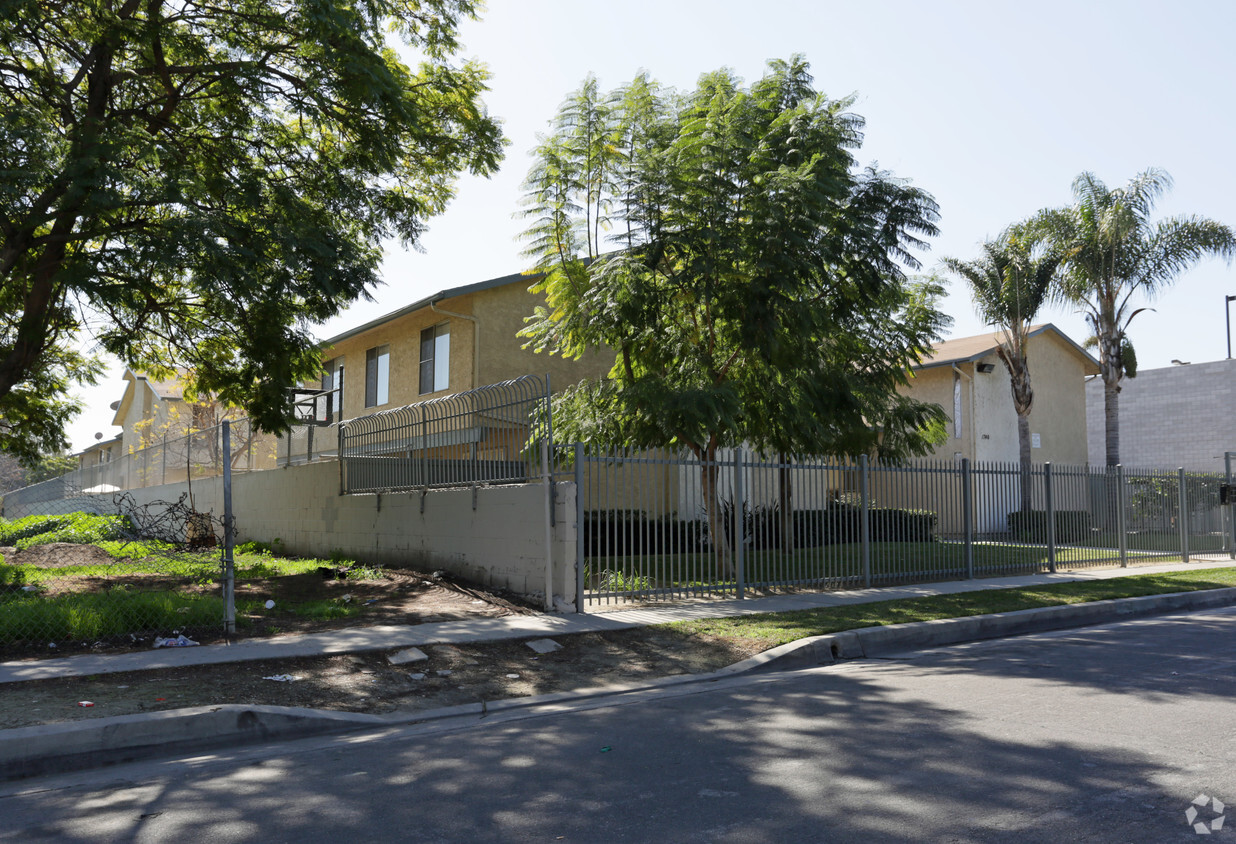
pixel 1227 307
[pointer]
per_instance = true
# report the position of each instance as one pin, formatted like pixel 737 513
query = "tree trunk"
pixel 1111 419
pixel 1023 454
pixel 785 494
pixel 712 509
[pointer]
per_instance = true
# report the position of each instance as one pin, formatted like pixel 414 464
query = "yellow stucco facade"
pixel 481 321
pixel 979 404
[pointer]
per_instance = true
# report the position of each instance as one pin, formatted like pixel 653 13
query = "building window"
pixel 435 358
pixel 330 405
pixel 377 375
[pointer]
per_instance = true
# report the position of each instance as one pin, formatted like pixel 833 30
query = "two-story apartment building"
pixel 454 340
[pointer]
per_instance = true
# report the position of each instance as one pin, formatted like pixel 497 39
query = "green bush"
pixel 81 529
pixel 12 532
pixel 1031 525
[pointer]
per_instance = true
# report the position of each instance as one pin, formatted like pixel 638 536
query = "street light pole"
pixel 1227 307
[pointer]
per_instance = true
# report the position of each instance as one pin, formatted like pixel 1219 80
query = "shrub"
pixel 13 532
pixel 1031 525
pixel 630 532
pixel 80 529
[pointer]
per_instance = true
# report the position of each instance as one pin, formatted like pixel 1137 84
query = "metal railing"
pixel 660 525
pixel 490 435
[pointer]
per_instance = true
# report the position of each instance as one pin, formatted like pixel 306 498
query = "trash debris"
pixel 30 588
pixel 371 601
pixel 478 601
pixel 406 656
pixel 346 598
pixel 160 699
pixel 270 605
pixel 179 641
pixel 84 703
pixel 544 646
pixel 606 749
pixel 51 644
pixel 182 610
pixel 445 672
pixel 512 676
pixel 438 575
pixel 416 676
pixel 282 678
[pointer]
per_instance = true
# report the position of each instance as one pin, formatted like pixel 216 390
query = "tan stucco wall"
pixel 501 312
pixel 988 420
pixel 1059 413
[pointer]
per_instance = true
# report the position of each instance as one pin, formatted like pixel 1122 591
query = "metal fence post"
pixel 229 534
pixel 1122 537
pixel 1182 520
pixel 549 527
pixel 967 514
pixel 580 567
pixel 1051 518
pixel 864 516
pixel 1229 514
pixel 740 512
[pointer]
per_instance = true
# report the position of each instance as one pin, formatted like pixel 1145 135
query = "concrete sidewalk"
pixel 523 626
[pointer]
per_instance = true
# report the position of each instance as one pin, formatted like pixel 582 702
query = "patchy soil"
pixel 367 682
pixel 56 555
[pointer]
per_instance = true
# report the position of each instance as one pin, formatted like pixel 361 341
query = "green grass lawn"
pixel 842 563
pixel 772 629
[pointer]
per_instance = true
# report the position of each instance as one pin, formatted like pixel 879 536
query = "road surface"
pixel 1104 734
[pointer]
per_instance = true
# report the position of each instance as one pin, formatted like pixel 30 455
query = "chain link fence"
pixel 99 569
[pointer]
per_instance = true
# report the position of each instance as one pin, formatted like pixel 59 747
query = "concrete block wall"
pixel 1177 416
pixel 499 543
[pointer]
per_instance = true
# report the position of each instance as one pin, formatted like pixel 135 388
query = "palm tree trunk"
pixel 1111 419
pixel 1023 454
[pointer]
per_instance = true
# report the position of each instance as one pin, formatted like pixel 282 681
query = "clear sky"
pixel 993 107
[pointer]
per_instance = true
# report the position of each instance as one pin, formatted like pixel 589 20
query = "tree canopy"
pixel 749 276
pixel 196 184
pixel 1114 253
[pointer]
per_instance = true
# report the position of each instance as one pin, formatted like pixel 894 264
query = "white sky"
pixel 993 107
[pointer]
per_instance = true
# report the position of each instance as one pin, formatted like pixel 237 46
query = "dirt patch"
pixel 452 674
pixel 54 555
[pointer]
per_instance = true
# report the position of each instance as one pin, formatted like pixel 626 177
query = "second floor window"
pixel 377 375
pixel 435 358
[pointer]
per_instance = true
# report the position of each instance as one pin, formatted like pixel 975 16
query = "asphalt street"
pixel 1101 734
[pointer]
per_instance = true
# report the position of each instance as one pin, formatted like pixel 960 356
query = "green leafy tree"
pixel 1010 283
pixel 758 295
pixel 48 466
pixel 196 184
pixel 1113 251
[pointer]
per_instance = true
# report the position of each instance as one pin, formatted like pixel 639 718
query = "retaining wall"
pixel 499 542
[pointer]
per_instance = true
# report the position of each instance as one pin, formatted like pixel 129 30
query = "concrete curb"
pixel 879 641
pixel 61 748
pixel 78 745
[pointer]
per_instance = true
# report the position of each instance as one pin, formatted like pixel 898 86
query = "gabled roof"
pixel 171 389
pixel 449 293
pixel 969 349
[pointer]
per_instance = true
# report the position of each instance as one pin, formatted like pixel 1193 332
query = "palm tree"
pixel 1010 282
pixel 1112 250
